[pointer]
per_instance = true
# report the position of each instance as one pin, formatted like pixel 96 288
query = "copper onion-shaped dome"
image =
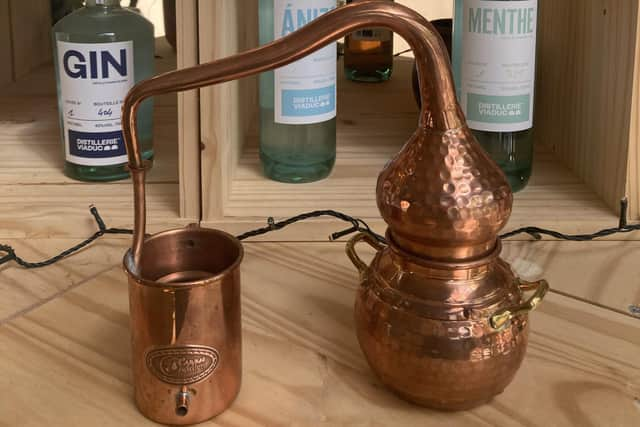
pixel 443 197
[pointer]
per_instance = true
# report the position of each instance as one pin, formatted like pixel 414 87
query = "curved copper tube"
pixel 440 110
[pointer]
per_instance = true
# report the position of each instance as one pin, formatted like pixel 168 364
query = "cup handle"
pixel 353 256
pixel 502 317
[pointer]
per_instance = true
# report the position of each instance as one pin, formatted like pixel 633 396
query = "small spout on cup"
pixel 182 402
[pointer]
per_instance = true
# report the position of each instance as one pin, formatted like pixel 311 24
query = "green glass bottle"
pixel 100 52
pixel 368 54
pixel 494 44
pixel 297 102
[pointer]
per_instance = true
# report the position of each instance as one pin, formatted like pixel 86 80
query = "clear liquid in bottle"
pixel 297 102
pixel 100 52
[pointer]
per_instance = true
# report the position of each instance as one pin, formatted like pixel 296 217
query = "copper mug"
pixel 443 198
pixel 184 302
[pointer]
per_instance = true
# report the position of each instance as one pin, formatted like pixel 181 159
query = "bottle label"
pixel 497 64
pixel 373 34
pixel 305 91
pixel 94 80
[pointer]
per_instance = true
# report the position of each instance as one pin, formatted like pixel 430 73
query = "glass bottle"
pixel 297 102
pixel 100 52
pixel 494 47
pixel 368 54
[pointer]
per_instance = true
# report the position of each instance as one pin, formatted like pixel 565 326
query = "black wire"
pixel 622 227
pixel 102 230
pixel 357 225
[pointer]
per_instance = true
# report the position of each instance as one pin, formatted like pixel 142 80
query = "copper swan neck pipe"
pixel 440 110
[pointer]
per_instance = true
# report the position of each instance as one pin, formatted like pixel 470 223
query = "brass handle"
pixel 351 250
pixel 440 110
pixel 501 319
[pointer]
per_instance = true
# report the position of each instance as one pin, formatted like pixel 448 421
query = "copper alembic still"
pixel 441 319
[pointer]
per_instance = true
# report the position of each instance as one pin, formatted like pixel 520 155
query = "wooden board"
pixel 31 35
pixel 188 112
pixel 23 290
pixel 69 357
pixel 633 172
pixel 602 273
pixel 6 48
pixel 63 210
pixel 227 111
pixel 585 77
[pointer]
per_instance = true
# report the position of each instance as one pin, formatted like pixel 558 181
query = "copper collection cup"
pixel 185 324
pixel 437 283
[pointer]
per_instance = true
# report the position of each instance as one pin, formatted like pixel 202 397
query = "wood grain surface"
pixel 584 88
pixel 6 46
pixel 228 110
pixel 30 35
pixel 66 361
pixel 188 112
pixel 633 172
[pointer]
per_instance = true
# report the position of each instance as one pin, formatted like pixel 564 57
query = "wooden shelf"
pixel 374 120
pixel 38 200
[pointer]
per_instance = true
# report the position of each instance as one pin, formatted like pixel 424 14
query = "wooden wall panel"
pixel 633 173
pixel 31 35
pixel 188 112
pixel 430 9
pixel 6 50
pixel 227 110
pixel 585 76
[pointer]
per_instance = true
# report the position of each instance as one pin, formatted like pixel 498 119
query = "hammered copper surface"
pixel 433 319
pixel 443 197
pixel 426 327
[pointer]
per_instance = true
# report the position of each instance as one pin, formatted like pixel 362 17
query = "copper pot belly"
pixel 438 334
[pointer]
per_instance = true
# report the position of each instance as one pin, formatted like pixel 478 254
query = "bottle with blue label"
pixel 298 101
pixel 100 52
pixel 494 46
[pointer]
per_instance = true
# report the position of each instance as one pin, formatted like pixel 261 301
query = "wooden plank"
pixel 31 35
pixel 211 37
pixel 586 57
pixel 302 363
pixel 227 110
pixel 22 290
pixel 633 174
pixel 602 273
pixel 188 112
pixel 6 48
pixel 37 211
